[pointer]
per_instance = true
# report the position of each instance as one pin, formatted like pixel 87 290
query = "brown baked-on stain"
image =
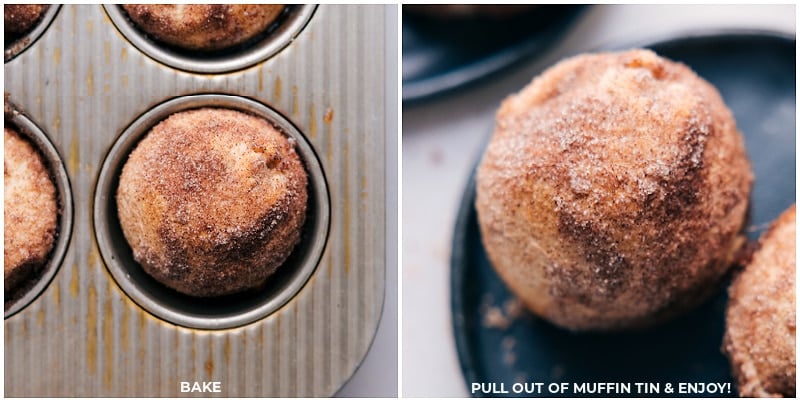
pixel 124 335
pixel 278 87
pixel 227 348
pixel 328 117
pixel 74 282
pixel 91 330
pixel 312 121
pixel 212 201
pixel 613 191
pixel 56 291
pixel 209 366
pixel 204 27
pixel 108 340
pixel 760 321
pixel 90 81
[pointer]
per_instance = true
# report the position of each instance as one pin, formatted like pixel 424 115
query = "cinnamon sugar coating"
pixel 20 18
pixel 212 201
pixel 613 191
pixel 30 211
pixel 203 26
pixel 760 319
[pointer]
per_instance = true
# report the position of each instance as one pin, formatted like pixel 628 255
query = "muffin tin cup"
pixel 27 40
pixel 220 312
pixel 278 36
pixel 60 179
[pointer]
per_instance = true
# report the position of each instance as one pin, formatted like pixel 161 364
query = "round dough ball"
pixel 212 201
pixel 31 211
pixel 760 319
pixel 613 191
pixel 20 18
pixel 203 26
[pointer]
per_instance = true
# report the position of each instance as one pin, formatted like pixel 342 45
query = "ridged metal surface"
pixel 83 84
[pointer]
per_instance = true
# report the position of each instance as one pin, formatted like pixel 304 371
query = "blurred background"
pixel 449 100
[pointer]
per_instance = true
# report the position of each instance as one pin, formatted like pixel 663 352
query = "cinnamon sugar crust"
pixel 30 211
pixel 212 201
pixel 613 191
pixel 203 26
pixel 20 18
pixel 760 318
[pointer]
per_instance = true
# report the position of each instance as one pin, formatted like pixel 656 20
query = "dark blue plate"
pixel 442 54
pixel 755 72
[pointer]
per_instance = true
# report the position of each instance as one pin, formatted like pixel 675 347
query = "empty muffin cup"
pixel 34 283
pixel 171 295
pixel 210 55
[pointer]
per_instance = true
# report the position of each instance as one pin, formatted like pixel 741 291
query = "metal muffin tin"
pixel 288 25
pixel 52 160
pixel 215 313
pixel 27 40
pixel 84 336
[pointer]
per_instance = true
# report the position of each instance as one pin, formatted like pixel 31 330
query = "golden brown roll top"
pixel 203 26
pixel 212 201
pixel 30 211
pixel 613 190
